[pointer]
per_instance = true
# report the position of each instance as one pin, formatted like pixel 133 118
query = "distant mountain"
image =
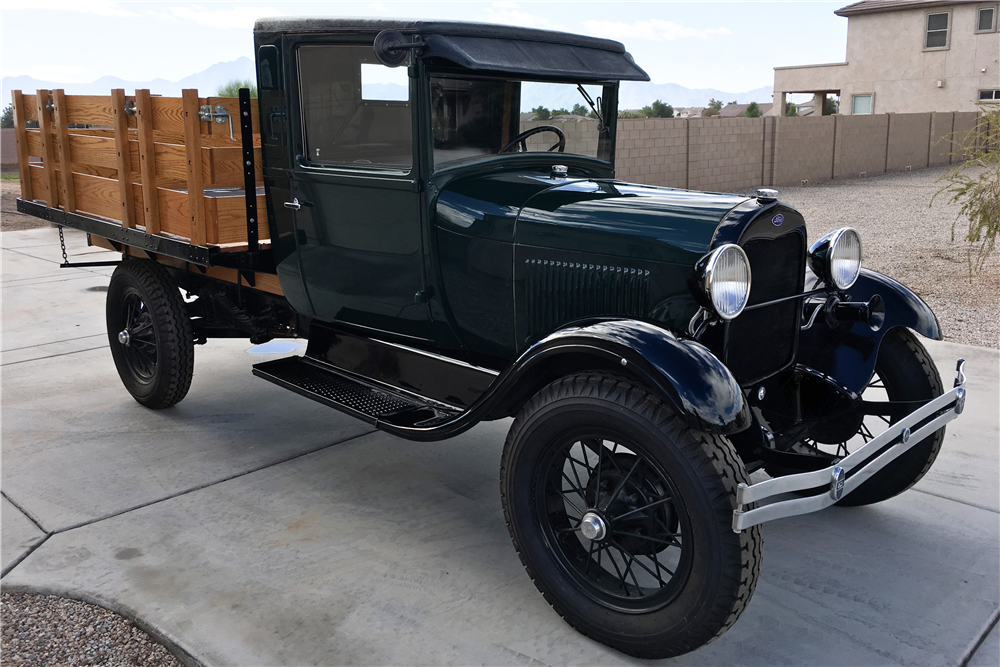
pixel 632 95
pixel 207 82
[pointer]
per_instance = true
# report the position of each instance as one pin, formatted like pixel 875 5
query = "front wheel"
pixel 150 334
pixel 622 517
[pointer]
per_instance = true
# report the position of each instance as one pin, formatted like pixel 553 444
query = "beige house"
pixel 906 56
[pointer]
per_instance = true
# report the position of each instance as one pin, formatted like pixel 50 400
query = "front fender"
pixel 701 389
pixel 848 351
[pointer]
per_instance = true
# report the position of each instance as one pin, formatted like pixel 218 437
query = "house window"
pixel 862 105
pixel 937 31
pixel 989 95
pixel 986 19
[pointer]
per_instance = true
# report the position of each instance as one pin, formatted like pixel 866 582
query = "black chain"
pixel 62 244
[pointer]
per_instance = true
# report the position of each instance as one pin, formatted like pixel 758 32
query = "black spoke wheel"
pixel 150 334
pixel 904 372
pixel 639 561
pixel 622 516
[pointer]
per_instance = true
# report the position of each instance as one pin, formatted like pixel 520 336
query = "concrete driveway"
pixel 250 526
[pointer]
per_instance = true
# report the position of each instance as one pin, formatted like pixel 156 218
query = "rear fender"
pixel 848 351
pixel 700 388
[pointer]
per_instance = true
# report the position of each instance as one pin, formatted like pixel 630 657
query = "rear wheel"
pixel 622 517
pixel 150 334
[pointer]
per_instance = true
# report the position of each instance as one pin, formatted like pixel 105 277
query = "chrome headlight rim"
pixel 708 278
pixel 823 253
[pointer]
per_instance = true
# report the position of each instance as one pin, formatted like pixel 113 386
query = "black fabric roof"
pixel 489 47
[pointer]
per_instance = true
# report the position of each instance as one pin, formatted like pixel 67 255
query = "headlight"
pixel 724 280
pixel 836 257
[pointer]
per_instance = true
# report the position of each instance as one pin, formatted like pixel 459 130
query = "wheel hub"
pixel 592 526
pixel 124 337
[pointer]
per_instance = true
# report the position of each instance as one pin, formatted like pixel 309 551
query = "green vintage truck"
pixel 450 260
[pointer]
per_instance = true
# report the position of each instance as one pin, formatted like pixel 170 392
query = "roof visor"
pixel 551 60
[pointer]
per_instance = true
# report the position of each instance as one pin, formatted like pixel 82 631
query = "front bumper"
pixel 853 470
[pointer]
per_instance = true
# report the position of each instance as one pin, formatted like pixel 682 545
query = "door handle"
pixel 294 204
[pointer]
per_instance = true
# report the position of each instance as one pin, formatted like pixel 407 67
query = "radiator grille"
pixel 560 292
pixel 762 341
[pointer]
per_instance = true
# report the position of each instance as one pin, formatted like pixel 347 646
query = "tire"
pixel 909 374
pixel 155 360
pixel 687 477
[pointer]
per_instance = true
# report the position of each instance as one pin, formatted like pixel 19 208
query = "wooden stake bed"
pixel 144 162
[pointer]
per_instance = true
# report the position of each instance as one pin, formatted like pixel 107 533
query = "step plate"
pixel 371 403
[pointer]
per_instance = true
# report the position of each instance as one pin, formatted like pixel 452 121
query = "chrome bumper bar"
pixel 838 478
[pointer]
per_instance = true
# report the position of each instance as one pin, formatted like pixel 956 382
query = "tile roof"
pixel 876 6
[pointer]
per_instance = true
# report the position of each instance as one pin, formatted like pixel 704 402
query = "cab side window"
pixel 355 111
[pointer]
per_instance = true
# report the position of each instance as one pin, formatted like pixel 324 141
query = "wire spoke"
pixel 621 484
pixel 671 542
pixel 645 507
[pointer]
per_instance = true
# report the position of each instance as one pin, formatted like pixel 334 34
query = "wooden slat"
pixel 98 196
pixel 195 178
pixel 123 157
pixel 21 137
pixel 33 139
pixel 267 282
pixel 230 215
pixel 93 151
pixel 224 168
pixel 147 161
pixel 89 110
pixel 30 112
pixel 168 114
pixel 68 192
pixel 36 176
pixel 48 150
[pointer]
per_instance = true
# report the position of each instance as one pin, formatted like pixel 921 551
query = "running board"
pixel 376 404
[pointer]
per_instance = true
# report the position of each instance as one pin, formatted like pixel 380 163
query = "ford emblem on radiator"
pixel 777 220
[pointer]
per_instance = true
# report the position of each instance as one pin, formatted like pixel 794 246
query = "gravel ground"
pixel 10 219
pixel 49 630
pixel 906 239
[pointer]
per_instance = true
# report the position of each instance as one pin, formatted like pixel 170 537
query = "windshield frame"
pixel 607 108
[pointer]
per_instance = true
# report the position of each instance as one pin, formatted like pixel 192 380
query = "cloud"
pixel 378 7
pixel 234 17
pixel 509 13
pixel 101 7
pixel 653 29
pixel 62 73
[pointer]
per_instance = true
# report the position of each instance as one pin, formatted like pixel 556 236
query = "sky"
pixel 731 46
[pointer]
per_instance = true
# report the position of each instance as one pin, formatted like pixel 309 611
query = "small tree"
pixel 7 119
pixel 631 113
pixel 659 109
pixel 975 184
pixel 791 109
pixel 559 112
pixel 232 88
pixel 830 106
pixel 713 108
pixel 580 110
pixel 752 110
pixel 541 113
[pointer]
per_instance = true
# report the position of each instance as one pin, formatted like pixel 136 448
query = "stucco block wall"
pixel 803 149
pixel 909 140
pixel 8 149
pixel 653 151
pixel 860 145
pixel 725 153
pixel 942 125
pixel 965 121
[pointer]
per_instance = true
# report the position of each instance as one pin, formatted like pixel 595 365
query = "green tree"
pixel 752 110
pixel 734 102
pixel 7 119
pixel 580 110
pixel 830 106
pixel 713 108
pixel 791 109
pixel 232 88
pixel 975 184
pixel 541 113
pixel 559 112
pixel 659 109
pixel 632 113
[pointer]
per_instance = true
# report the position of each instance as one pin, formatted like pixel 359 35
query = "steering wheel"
pixel 523 146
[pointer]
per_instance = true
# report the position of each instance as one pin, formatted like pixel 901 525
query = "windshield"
pixel 477 117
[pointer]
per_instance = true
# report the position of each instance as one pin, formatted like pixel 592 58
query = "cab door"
pixel 354 190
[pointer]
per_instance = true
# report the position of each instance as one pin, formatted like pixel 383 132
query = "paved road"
pixel 250 526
